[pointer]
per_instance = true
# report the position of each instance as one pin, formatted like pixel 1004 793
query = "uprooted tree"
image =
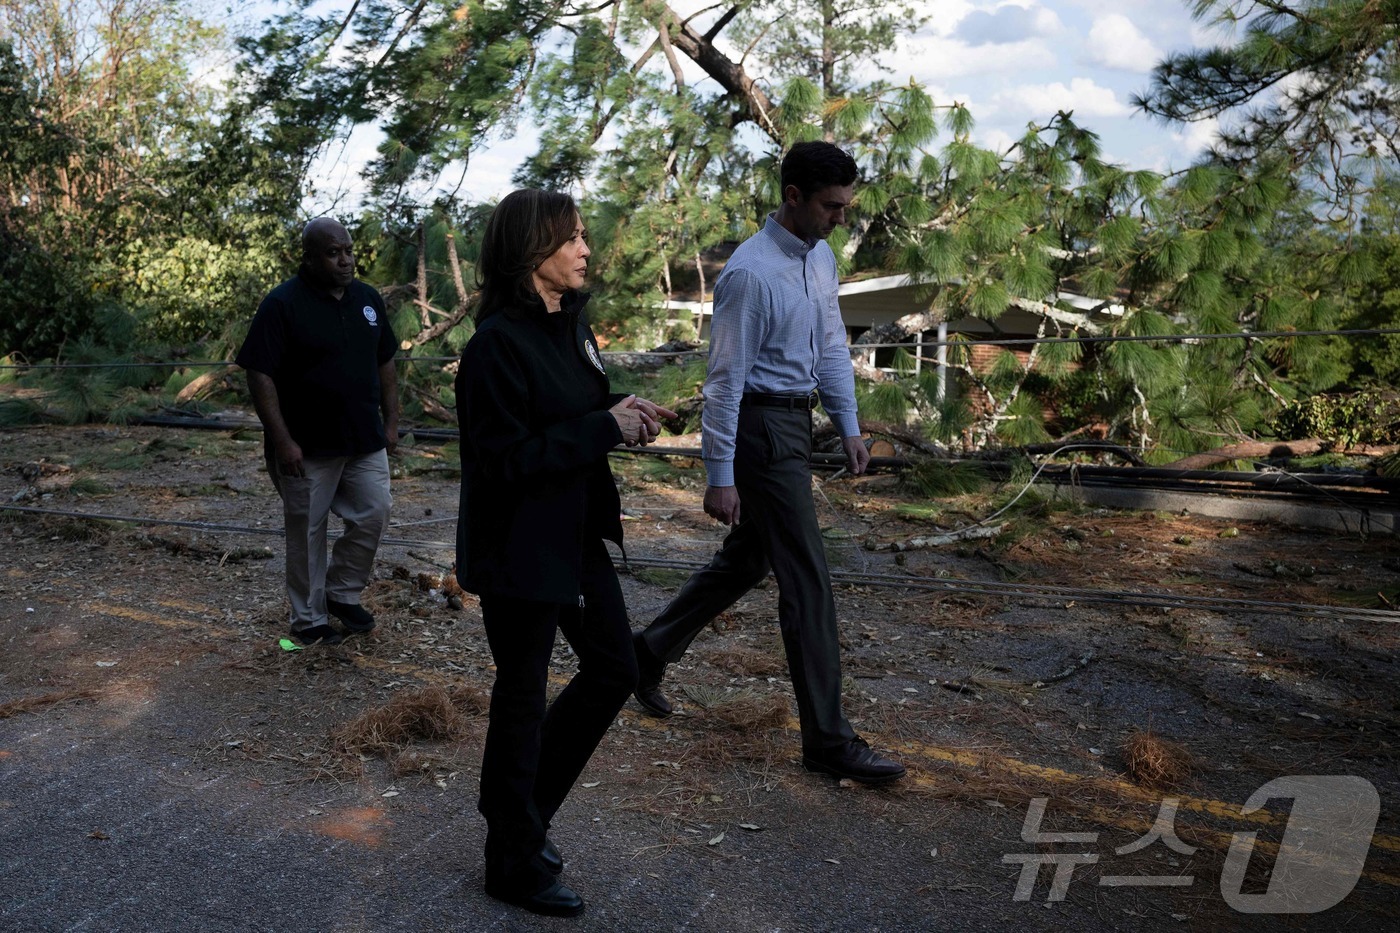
pixel 671 166
pixel 669 121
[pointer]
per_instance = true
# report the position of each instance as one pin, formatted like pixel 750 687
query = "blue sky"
pixel 1018 61
pixel 1011 61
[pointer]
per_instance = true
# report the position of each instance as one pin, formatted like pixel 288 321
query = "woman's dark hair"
pixel 525 229
pixel 812 166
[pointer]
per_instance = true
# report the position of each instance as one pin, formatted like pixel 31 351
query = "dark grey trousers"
pixel 778 528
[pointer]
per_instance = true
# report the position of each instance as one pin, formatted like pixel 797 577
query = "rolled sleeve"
pixel 736 333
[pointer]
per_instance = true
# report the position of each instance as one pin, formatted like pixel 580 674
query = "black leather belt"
pixel 790 402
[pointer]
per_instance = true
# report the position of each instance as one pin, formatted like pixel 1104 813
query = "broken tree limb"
pixel 1258 450
pixel 729 74
pixel 1107 447
pixel 440 328
pixel 421 281
pixel 1067 672
pixel 432 407
pixel 880 428
pixel 972 533
pixel 204 383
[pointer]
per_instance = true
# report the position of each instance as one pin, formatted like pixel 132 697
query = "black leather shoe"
pixel 557 900
pixel 650 669
pixel 321 634
pixel 552 858
pixel 855 760
pixel 353 616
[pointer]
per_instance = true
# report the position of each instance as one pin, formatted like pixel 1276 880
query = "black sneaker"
pixel 321 634
pixel 353 616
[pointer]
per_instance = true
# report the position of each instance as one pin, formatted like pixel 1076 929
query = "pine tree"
pixel 669 167
pixel 1309 82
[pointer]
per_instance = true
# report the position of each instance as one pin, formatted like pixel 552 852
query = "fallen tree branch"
pixel 1107 447
pixel 203 384
pixel 1258 450
pixel 432 407
pixel 1067 672
pixel 441 327
pixel 903 435
pixel 971 533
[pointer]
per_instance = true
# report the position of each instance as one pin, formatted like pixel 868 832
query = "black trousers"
pixel 534 755
pixel 778 528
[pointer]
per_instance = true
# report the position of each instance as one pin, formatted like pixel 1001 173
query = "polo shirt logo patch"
pixel 593 356
pixel 371 316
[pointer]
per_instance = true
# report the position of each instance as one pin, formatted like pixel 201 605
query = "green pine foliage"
pixel 942 479
pixel 1288 225
pixel 882 401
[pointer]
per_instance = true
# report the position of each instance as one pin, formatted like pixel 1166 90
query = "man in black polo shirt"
pixel 320 362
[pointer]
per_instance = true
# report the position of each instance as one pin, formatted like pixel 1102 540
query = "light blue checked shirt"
pixel 776 329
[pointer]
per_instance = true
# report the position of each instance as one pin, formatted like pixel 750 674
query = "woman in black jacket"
pixel 538 501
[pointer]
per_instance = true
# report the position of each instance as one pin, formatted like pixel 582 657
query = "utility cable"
pixel 1223 605
pixel 979 341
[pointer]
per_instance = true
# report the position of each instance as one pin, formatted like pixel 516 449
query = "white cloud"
pixel 945 15
pixel 1098 7
pixel 1007 24
pixel 1194 138
pixel 1081 95
pixel 1115 42
pixel 997 140
pixel 930 59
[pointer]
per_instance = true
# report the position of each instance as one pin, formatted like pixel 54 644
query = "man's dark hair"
pixel 525 229
pixel 813 166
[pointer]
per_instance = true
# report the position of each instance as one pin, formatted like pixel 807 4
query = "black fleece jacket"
pixel 532 403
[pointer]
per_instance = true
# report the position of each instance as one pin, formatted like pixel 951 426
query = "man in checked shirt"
pixel 777 342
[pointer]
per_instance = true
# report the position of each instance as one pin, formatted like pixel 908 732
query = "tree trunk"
pixel 203 383
pixel 1255 450
pixel 728 73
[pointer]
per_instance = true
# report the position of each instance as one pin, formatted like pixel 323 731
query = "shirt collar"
pixel 311 283
pixel 787 241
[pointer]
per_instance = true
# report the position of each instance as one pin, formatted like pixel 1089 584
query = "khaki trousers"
pixel 357 490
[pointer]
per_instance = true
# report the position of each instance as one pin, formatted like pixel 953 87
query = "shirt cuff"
pixel 720 472
pixel 848 424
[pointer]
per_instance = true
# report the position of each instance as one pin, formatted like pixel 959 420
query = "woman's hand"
pixel 639 420
pixel 631 421
pixel 653 414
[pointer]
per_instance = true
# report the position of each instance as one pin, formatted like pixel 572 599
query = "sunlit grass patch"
pixel 122 455
pixel 87 486
pixel 943 478
pixel 20 412
pixel 917 511
pixel 661 576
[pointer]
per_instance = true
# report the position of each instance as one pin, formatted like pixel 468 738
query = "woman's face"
pixel 566 267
